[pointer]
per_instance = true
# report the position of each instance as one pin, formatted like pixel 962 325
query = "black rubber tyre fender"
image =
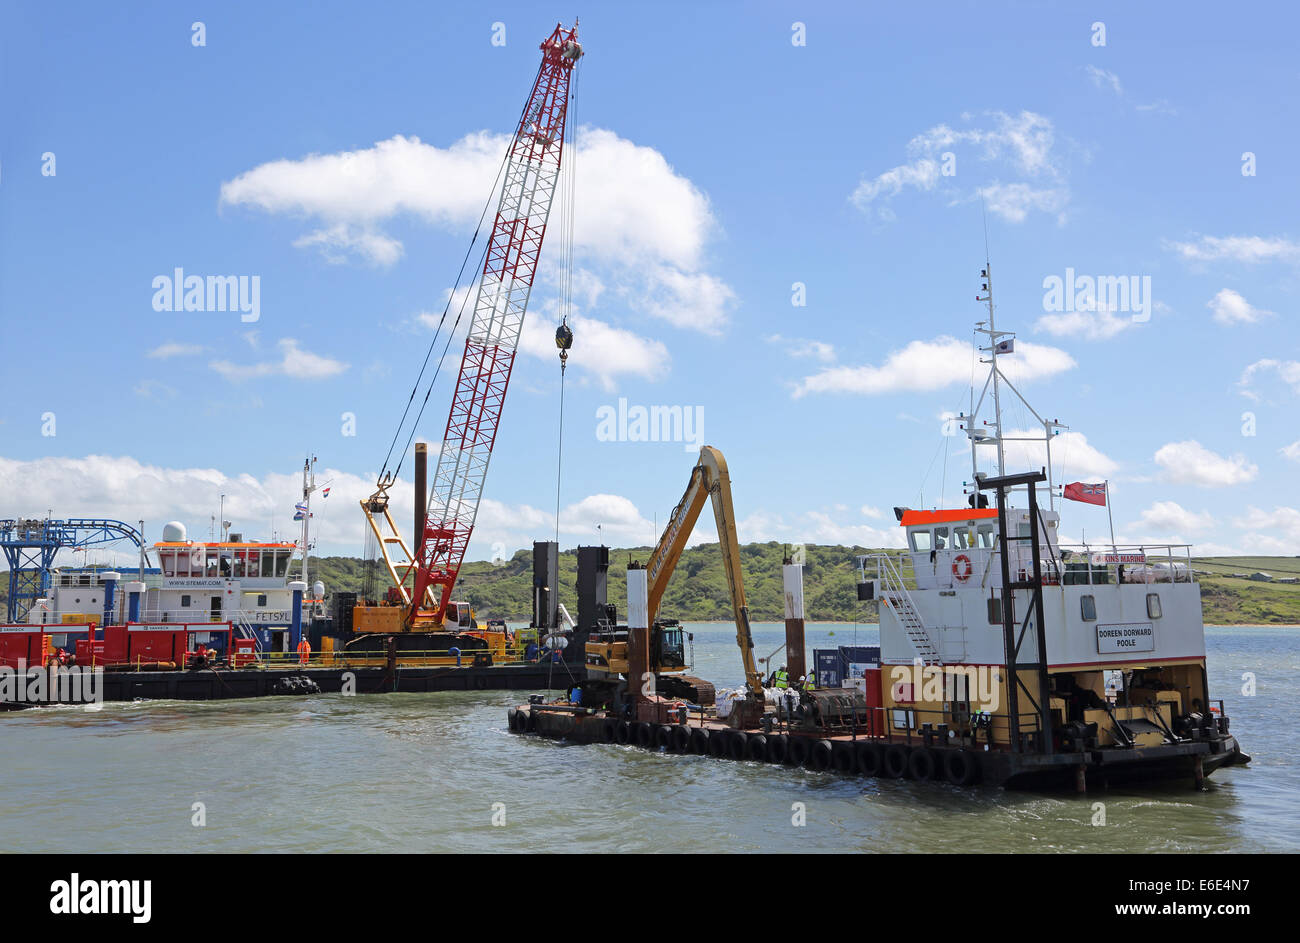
pixel 778 747
pixel 960 767
pixel 643 734
pixel 895 765
pixel 680 740
pixel 736 744
pixel 663 737
pixel 622 732
pixel 797 755
pixel 869 757
pixel 819 755
pixel 529 722
pixel 842 758
pixel 512 717
pixel 700 741
pixel 717 744
pixel 921 764
pixel 608 730
pixel 756 748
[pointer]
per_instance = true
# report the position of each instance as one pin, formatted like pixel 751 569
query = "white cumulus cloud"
pixel 1248 249
pixel 1169 518
pixel 638 224
pixel 294 362
pixel 1191 463
pixel 1229 307
pixel 922 366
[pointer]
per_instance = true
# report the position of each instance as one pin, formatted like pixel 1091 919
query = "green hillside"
pixel 698 591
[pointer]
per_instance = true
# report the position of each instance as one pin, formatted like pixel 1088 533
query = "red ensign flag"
pixel 1088 494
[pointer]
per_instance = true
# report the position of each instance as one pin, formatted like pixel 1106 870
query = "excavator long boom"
pixel 709 479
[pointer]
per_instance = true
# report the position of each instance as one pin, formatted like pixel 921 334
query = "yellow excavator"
pixel 607 648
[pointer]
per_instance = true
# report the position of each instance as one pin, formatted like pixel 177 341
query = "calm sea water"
pixel 428 772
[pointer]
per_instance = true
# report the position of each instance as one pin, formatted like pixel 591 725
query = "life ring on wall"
pixel 961 567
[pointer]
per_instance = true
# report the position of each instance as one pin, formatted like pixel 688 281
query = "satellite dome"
pixel 318 589
pixel 173 532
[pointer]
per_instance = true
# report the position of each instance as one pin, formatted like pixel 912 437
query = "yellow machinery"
pixel 607 650
pixel 423 636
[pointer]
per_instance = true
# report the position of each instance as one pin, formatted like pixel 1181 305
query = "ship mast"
pixel 1002 341
pixel 989 329
pixel 308 486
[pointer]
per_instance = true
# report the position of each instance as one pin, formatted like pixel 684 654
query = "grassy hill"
pixel 698 592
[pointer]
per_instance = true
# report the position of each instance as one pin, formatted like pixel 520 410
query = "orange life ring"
pixel 962 572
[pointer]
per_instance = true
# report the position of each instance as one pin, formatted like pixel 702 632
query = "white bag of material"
pixel 726 700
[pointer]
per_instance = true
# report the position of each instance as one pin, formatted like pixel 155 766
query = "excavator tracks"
pixel 688 688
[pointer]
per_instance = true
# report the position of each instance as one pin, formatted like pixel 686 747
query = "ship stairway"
pixel 245 630
pixel 896 596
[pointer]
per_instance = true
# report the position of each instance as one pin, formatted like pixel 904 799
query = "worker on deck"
pixel 808 682
pixel 304 651
pixel 782 676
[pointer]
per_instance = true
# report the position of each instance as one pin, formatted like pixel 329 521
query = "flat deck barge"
pixel 888 756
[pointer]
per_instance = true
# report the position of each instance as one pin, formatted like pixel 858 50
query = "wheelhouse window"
pixel 1088 608
pixel 920 540
pixel 941 538
pixel 1153 605
pixel 168 560
pixel 986 538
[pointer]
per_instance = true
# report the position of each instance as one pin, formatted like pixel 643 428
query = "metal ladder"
pixel 900 600
pixel 245 629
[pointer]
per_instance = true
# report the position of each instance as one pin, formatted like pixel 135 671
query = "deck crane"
pixel 445 518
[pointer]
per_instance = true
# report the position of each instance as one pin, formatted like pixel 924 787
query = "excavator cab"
pixel 667 646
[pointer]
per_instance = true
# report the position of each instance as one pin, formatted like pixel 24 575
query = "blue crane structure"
pixel 30 546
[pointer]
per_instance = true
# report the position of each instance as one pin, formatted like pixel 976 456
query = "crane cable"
pixel 567 204
pixel 493 194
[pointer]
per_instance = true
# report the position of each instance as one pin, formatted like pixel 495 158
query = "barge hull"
pixel 995 767
pixel 225 684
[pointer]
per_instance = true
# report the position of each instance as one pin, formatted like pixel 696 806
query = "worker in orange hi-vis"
pixel 304 651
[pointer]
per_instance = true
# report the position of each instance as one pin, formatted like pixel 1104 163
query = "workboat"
pixel 243 589
pixel 1007 655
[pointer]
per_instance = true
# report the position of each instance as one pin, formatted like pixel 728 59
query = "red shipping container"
pixel 29 644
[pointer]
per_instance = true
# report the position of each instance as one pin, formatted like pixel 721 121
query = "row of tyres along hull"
pixel 890 759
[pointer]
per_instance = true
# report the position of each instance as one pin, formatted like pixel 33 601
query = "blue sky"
pixel 338 153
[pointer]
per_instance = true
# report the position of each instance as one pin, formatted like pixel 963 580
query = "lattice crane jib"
pixel 532 173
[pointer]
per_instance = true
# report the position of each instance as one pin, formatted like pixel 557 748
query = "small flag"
pixel 325 492
pixel 300 507
pixel 298 515
pixel 1007 346
pixel 1087 493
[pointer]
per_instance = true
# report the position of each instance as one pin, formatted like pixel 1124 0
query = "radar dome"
pixel 318 589
pixel 173 532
